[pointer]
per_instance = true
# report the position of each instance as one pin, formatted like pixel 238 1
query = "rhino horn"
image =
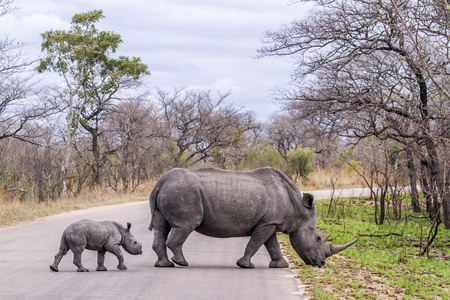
pixel 326 236
pixel 335 249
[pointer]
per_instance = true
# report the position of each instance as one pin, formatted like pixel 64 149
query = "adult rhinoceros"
pixel 223 204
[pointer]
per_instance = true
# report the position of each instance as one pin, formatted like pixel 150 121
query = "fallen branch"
pixel 18 189
pixel 382 235
pixel 432 234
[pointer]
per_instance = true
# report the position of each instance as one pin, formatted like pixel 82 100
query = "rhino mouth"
pixel 315 262
pixel 318 264
pixel 134 251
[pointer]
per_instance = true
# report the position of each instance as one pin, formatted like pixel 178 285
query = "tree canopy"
pixel 374 68
pixel 93 79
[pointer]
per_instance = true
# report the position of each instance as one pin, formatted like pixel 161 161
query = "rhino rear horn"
pixel 326 236
pixel 337 249
pixel 128 225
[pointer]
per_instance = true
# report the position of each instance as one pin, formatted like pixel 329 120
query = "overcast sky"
pixel 208 44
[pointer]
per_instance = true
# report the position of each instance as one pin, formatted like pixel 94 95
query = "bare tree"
pixel 361 73
pixel 287 131
pixel 284 132
pixel 196 123
pixel 134 131
pixel 20 102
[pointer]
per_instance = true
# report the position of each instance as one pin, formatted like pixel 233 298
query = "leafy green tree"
pixel 299 161
pixel 263 155
pixel 93 79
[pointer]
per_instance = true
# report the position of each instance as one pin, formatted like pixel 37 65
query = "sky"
pixel 208 45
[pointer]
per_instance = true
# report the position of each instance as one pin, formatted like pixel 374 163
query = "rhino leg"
pixel 101 261
pixel 273 247
pixel 175 243
pixel 58 257
pixel 159 246
pixel 259 236
pixel 76 241
pixel 161 231
pixel 115 249
pixel 63 248
pixel 77 259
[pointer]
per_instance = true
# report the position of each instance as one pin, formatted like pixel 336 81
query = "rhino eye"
pixel 319 238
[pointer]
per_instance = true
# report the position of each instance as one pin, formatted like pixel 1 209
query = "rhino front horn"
pixel 337 249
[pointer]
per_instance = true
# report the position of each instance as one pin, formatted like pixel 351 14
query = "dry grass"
pixel 321 179
pixel 15 211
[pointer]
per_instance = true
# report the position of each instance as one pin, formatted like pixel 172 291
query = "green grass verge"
pixel 386 267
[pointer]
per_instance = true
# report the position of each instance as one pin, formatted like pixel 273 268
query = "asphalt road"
pixel 27 250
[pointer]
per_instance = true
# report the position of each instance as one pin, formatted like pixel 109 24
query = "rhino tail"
pixel 63 246
pixel 152 202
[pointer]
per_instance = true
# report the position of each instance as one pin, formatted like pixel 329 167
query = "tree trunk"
pixel 67 155
pixel 97 168
pixel 446 209
pixel 413 181
pixel 382 206
pixel 97 161
pixel 65 167
pixel 441 197
pixel 426 186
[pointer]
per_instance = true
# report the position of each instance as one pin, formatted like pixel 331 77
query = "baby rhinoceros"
pixel 98 236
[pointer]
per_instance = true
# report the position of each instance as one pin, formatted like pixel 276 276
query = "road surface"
pixel 27 250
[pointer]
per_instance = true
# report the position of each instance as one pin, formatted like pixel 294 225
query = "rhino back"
pixel 94 235
pixel 230 203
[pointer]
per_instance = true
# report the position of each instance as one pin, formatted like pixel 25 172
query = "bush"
pixel 299 162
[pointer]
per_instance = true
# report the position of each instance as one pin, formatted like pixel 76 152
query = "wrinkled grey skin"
pixel 98 236
pixel 224 204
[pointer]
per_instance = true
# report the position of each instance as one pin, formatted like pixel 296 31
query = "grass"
pixel 320 179
pixel 13 211
pixel 376 267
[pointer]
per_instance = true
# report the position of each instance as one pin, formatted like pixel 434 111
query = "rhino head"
pixel 307 240
pixel 129 243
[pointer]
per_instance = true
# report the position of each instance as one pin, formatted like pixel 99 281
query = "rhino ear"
pixel 308 200
pixel 128 225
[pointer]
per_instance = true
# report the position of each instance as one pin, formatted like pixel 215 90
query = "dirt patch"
pixel 355 278
pixel 342 278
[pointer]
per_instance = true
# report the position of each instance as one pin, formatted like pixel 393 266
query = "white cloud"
pixel 208 44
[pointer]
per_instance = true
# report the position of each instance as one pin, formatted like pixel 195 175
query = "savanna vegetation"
pixel 386 262
pixel 368 106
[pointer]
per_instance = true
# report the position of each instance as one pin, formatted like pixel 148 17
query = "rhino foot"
pixel 245 264
pixel 161 264
pixel 278 264
pixel 54 268
pixel 180 262
pixel 121 267
pixel 82 270
pixel 101 268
